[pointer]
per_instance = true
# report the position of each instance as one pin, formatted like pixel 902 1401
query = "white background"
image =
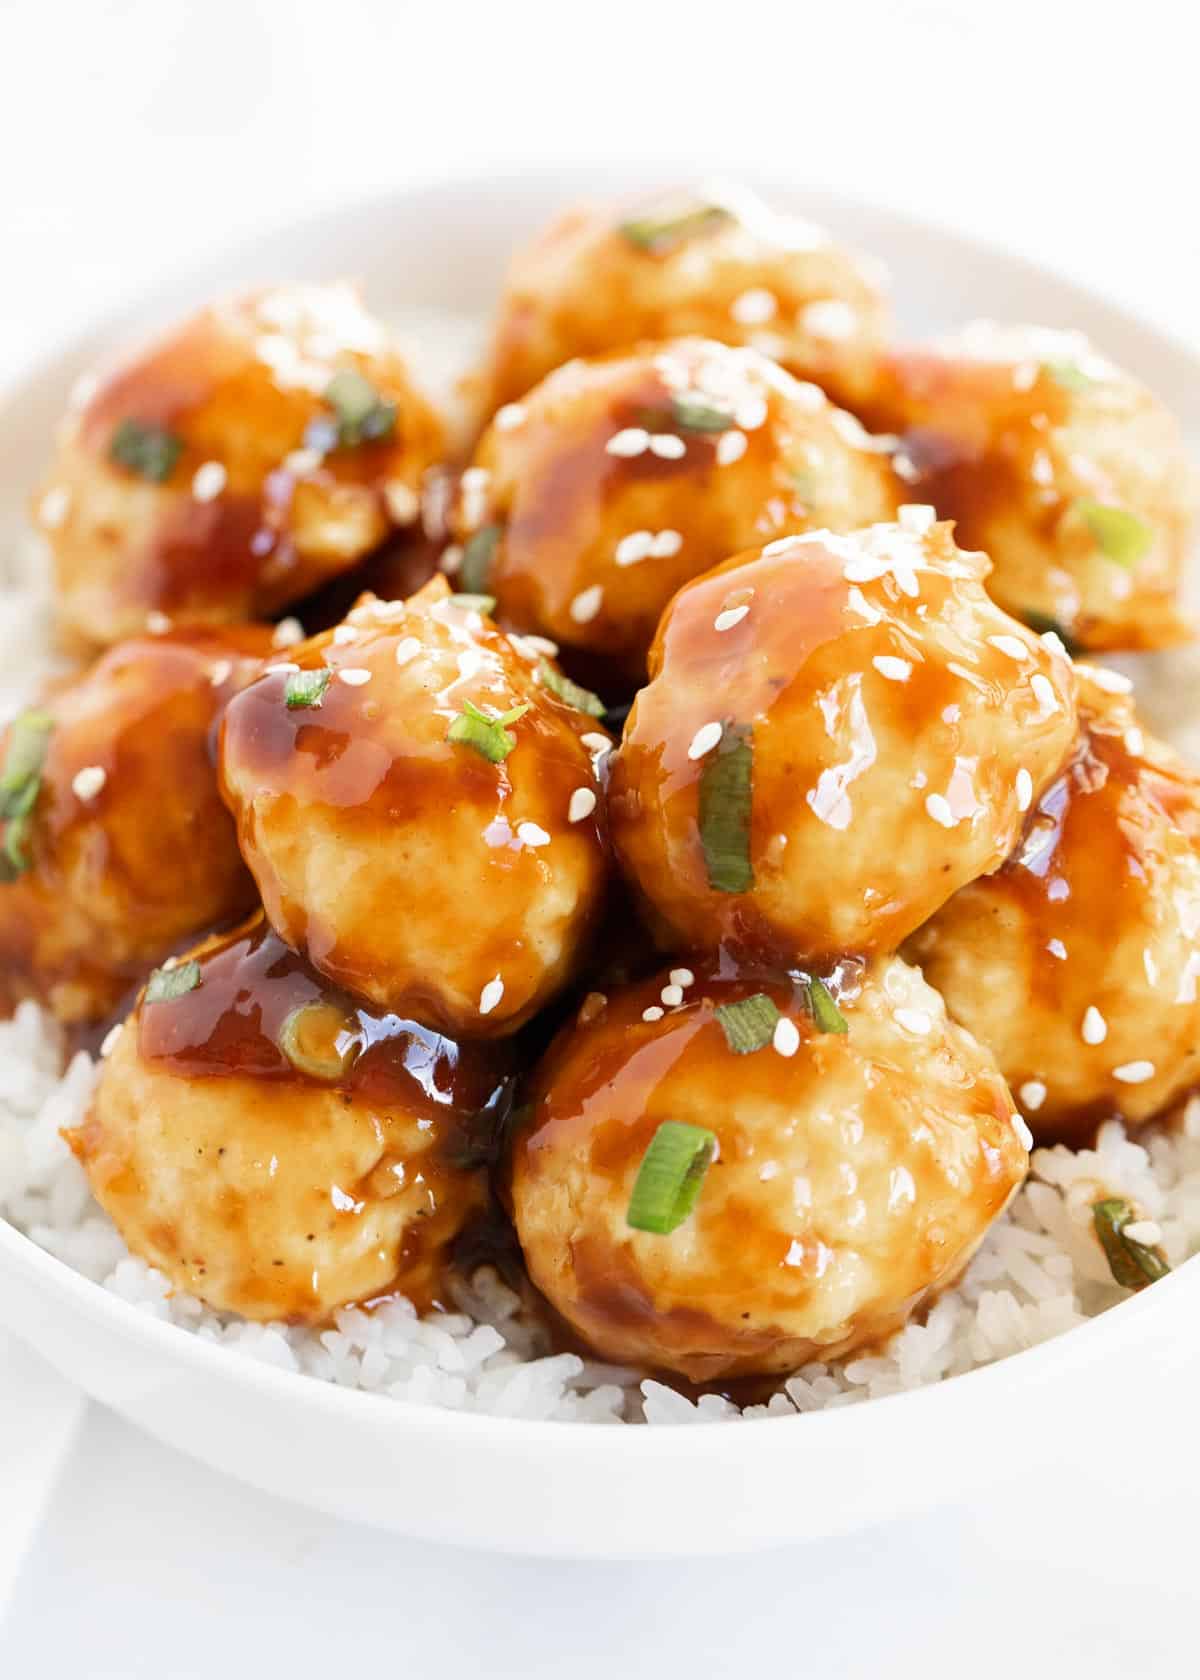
pixel 134 137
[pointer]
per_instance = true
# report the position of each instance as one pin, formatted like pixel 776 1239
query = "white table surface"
pixel 135 134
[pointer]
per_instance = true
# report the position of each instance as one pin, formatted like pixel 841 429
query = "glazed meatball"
pixel 617 480
pixel 1077 963
pixel 1068 473
pixel 421 811
pixel 276 1149
pixel 251 453
pixel 716 262
pixel 117 848
pixel 837 734
pixel 861 1146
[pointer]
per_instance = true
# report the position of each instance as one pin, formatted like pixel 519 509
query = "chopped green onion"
pixel 749 1024
pixel 487 735
pixel 477 559
pixel 20 783
pixel 1069 375
pixel 692 413
pixel 1132 1264
pixel 167 983
pixel 317 1038
pixel 582 699
pixel 1119 535
pixel 361 414
pixel 1041 623
pixel 149 451
pixel 668 1182
pixel 473 603
pixel 664 231
pixel 726 796
pixel 305 688
pixel 827 1017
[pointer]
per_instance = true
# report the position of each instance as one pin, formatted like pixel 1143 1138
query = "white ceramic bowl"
pixel 569 1489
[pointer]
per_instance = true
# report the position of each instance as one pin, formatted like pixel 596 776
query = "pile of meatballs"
pixel 662 832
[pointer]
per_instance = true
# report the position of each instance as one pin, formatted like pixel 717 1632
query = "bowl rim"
pixel 1020 1374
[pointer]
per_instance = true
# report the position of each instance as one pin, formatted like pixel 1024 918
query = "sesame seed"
pixel 532 834
pixel 302 461
pixel 287 633
pixel 1012 646
pixel 731 446
pixel 705 739
pixel 407 649
pixel 1057 949
pixel 666 543
pixel 636 546
pixel 1095 1028
pixel 508 417
pixel 938 807
pixel 402 502
pixel 354 676
pixel 917 517
pixel 596 743
pixel 654 1013
pixel 451 559
pixel 667 446
pixel 1134 1073
pixel 1148 1232
pixel 170 962
pixel 591 1006
pixel 583 803
pixel 490 996
pixel 1024 789
pixel 731 616
pixel 672 996
pixel 220 672
pixel 1032 1094
pixel 1024 1135
pixel 751 412
pixel 281 665
pixel 157 623
pixel 1150 966
pixel 1044 692
pixel 54 506
pixel 87 783
pixel 109 1042
pixel 587 604
pixel 914 1021
pixel 895 670
pixel 754 308
pixel 1112 682
pixel 1052 640
pixel 542 644
pixel 344 634
pixel 1135 742
pixel 208 481
pixel 829 318
pixel 682 977
pixel 785 1040
pixel 634 440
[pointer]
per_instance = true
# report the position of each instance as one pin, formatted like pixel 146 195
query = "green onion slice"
pixel 692 413
pixel 726 796
pixel 827 1017
pixel 306 688
pixel 668 1183
pixel 489 736
pixel 473 603
pixel 167 983
pixel 318 1039
pixel 1132 1264
pixel 582 699
pixel 477 559
pixel 1069 375
pixel 149 451
pixel 362 414
pixel 20 783
pixel 749 1024
pixel 1118 534
pixel 670 227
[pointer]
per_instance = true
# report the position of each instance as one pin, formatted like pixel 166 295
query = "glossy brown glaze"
pixel 1078 962
pixel 407 867
pixel 893 741
pixel 594 539
pixel 1009 430
pixel 238 385
pixel 852 1177
pixel 131 850
pixel 749 276
pixel 263 1190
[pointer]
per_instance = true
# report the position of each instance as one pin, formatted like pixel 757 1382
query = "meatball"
pixel 276 1149
pixel 251 453
pixel 837 734
pixel 860 1150
pixel 421 811
pixel 1077 963
pixel 117 847
pixel 1068 473
pixel 716 262
pixel 619 479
